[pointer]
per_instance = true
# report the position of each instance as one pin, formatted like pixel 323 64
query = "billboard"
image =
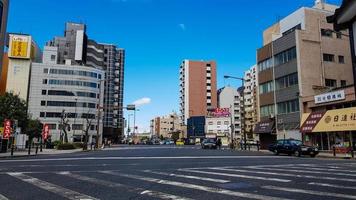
pixel 219 112
pixel 20 46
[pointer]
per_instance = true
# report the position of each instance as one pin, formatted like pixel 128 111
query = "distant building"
pixel 301 58
pixel 75 47
pixel 218 127
pixel 165 126
pixel 196 127
pixel 198 90
pixel 4 9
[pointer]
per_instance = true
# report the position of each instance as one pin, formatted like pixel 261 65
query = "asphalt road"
pixel 168 172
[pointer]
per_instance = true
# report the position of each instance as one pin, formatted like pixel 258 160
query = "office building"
pixel 4 9
pixel 231 99
pixel 301 58
pixel 66 89
pixel 81 50
pixel 165 126
pixel 198 90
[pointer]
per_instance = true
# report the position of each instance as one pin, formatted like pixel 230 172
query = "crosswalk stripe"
pixel 142 191
pixel 237 175
pixel 310 192
pixel 332 185
pixel 56 189
pixel 306 171
pixel 163 195
pixel 2 197
pixel 195 187
pixel 189 177
pixel 323 169
pixel 288 175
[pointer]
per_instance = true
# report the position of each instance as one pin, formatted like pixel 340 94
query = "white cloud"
pixel 142 101
pixel 182 26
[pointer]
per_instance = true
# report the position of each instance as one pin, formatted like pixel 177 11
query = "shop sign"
pixel 330 97
pixel 7 129
pixel 45 131
pixel 219 112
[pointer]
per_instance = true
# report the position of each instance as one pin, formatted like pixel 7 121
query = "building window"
pixel 287 81
pixel 285 56
pixel 43 103
pixel 44 81
pixel 343 83
pixel 342 59
pixel 330 83
pixel 339 35
pixel 77 126
pixel 267 110
pixel 53 57
pixel 226 122
pixel 288 107
pixel 266 64
pixel 45 70
pixel 266 87
pixel 52 126
pixel 44 92
pixel 328 57
pixel 219 122
pixel 326 33
pixel 42 114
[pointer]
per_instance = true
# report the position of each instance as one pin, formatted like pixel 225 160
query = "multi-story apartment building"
pixel 198 90
pixel 231 98
pixel 300 58
pixel 73 90
pixel 165 126
pixel 4 8
pixel 76 47
pixel 251 101
pixel 218 127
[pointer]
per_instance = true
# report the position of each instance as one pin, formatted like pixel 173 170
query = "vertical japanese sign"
pixel 45 132
pixel 20 46
pixel 7 129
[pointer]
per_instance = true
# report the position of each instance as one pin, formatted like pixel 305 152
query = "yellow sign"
pixel 20 46
pixel 1 130
pixel 333 121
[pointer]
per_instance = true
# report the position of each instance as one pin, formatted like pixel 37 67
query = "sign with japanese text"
pixel 330 97
pixel 20 46
pixel 45 132
pixel 7 129
pixel 219 112
pixel 332 120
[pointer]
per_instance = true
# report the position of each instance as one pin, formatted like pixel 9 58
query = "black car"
pixel 291 146
pixel 209 143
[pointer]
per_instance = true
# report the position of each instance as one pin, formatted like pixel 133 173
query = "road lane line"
pixel 56 189
pixel 196 187
pixel 127 188
pixel 333 186
pixel 164 196
pixel 310 192
pixel 237 175
pixel 188 177
pixel 2 197
pixel 323 169
pixel 288 175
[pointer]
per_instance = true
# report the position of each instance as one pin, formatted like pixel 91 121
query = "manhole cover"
pixel 239 185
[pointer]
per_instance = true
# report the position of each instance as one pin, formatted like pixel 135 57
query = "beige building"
pixel 301 58
pixel 165 126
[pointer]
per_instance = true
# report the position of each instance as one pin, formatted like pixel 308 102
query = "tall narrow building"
pixel 77 48
pixel 4 7
pixel 198 90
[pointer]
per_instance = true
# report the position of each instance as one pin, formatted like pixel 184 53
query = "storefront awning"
pixel 264 127
pixel 329 121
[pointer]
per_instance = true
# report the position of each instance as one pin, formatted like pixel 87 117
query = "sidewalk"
pixel 24 153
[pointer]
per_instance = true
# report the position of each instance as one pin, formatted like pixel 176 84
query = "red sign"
pixel 312 120
pixel 7 129
pixel 219 112
pixel 45 132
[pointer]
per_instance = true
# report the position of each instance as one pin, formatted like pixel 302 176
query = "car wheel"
pixel 276 152
pixel 297 153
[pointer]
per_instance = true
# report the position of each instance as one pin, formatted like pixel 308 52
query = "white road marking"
pixel 161 195
pixel 333 186
pixel 288 175
pixel 237 175
pixel 310 192
pixel 189 177
pixel 56 189
pixel 2 197
pixel 306 170
pixel 324 169
pixel 196 187
pixel 139 158
pixel 141 191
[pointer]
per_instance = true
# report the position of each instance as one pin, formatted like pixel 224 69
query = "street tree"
pixel 89 123
pixel 12 107
pixel 64 125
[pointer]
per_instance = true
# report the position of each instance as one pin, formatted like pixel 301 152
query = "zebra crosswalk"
pixel 264 182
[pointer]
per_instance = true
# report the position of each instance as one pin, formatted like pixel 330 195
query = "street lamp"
pixel 128 124
pixel 242 107
pixel 76 115
pixel 134 131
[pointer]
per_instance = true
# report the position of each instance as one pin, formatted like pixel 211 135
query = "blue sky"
pixel 158 35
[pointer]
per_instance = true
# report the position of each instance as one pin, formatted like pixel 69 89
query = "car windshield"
pixel 209 140
pixel 296 142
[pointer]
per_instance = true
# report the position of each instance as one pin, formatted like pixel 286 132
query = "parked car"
pixel 180 142
pixel 209 143
pixel 167 142
pixel 291 146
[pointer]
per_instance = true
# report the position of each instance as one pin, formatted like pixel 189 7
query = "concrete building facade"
pixel 198 89
pixel 218 127
pixel 4 9
pixel 301 58
pixel 165 126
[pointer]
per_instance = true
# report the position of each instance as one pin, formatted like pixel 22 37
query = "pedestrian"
pixel 219 143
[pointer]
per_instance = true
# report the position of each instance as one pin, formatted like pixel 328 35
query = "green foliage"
pixel 161 137
pixel 66 146
pixel 34 128
pixel 175 136
pixel 13 107
pixel 56 143
pixel 78 145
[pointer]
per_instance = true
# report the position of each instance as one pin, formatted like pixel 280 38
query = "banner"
pixel 7 129
pixel 45 132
